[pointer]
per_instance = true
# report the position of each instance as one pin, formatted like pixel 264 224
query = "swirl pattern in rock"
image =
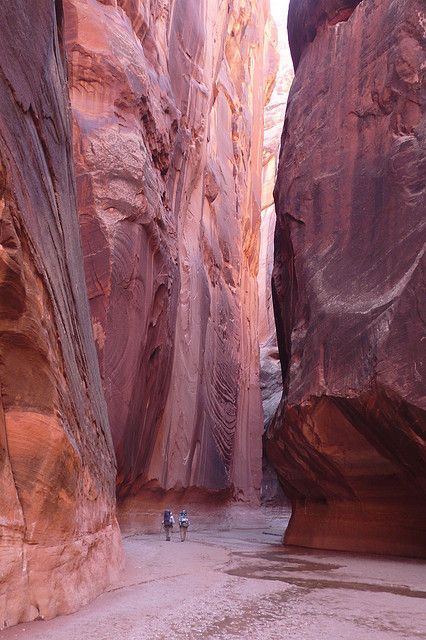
pixel 167 98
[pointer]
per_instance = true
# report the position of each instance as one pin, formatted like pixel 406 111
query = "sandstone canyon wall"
pixel 348 440
pixel 279 68
pixel 59 541
pixel 167 98
pixel 278 64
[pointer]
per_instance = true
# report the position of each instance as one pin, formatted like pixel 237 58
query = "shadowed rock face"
pixel 308 17
pixel 348 440
pixel 59 542
pixel 167 99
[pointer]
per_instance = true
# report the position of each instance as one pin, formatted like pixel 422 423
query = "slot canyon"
pixel 212 296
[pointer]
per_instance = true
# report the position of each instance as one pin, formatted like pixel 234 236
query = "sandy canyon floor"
pixel 230 580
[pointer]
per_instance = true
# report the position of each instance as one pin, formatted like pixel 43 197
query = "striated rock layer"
pixel 167 98
pixel 348 440
pixel 59 540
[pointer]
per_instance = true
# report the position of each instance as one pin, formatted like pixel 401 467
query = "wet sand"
pixel 228 581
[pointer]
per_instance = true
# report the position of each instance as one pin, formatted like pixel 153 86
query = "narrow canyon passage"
pixel 212 257
pixel 233 579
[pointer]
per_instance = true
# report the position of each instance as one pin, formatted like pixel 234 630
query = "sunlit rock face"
pixel 59 542
pixel 278 66
pixel 348 440
pixel 167 99
pixel 279 69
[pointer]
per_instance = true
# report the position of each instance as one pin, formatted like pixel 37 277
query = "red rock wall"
pixel 349 438
pixel 167 100
pixel 59 542
pixel 125 127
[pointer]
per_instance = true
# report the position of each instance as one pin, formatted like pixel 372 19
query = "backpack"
pixel 183 519
pixel 167 519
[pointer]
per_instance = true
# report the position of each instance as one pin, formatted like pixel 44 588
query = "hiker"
pixel 183 524
pixel 168 522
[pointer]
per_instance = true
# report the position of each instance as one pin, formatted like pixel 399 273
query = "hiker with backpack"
pixel 168 522
pixel 183 524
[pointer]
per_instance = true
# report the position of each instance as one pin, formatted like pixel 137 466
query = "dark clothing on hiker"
pixel 168 522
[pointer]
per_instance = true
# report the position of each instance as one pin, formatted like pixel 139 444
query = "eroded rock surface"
pixel 349 438
pixel 59 541
pixel 167 100
pixel 278 65
pixel 279 69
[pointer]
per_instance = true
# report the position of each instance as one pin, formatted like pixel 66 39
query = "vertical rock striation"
pixel 279 70
pixel 278 66
pixel 167 98
pixel 348 440
pixel 212 420
pixel 125 126
pixel 59 541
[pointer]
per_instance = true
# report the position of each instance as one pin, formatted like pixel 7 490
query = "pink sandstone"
pixel 59 539
pixel 167 99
